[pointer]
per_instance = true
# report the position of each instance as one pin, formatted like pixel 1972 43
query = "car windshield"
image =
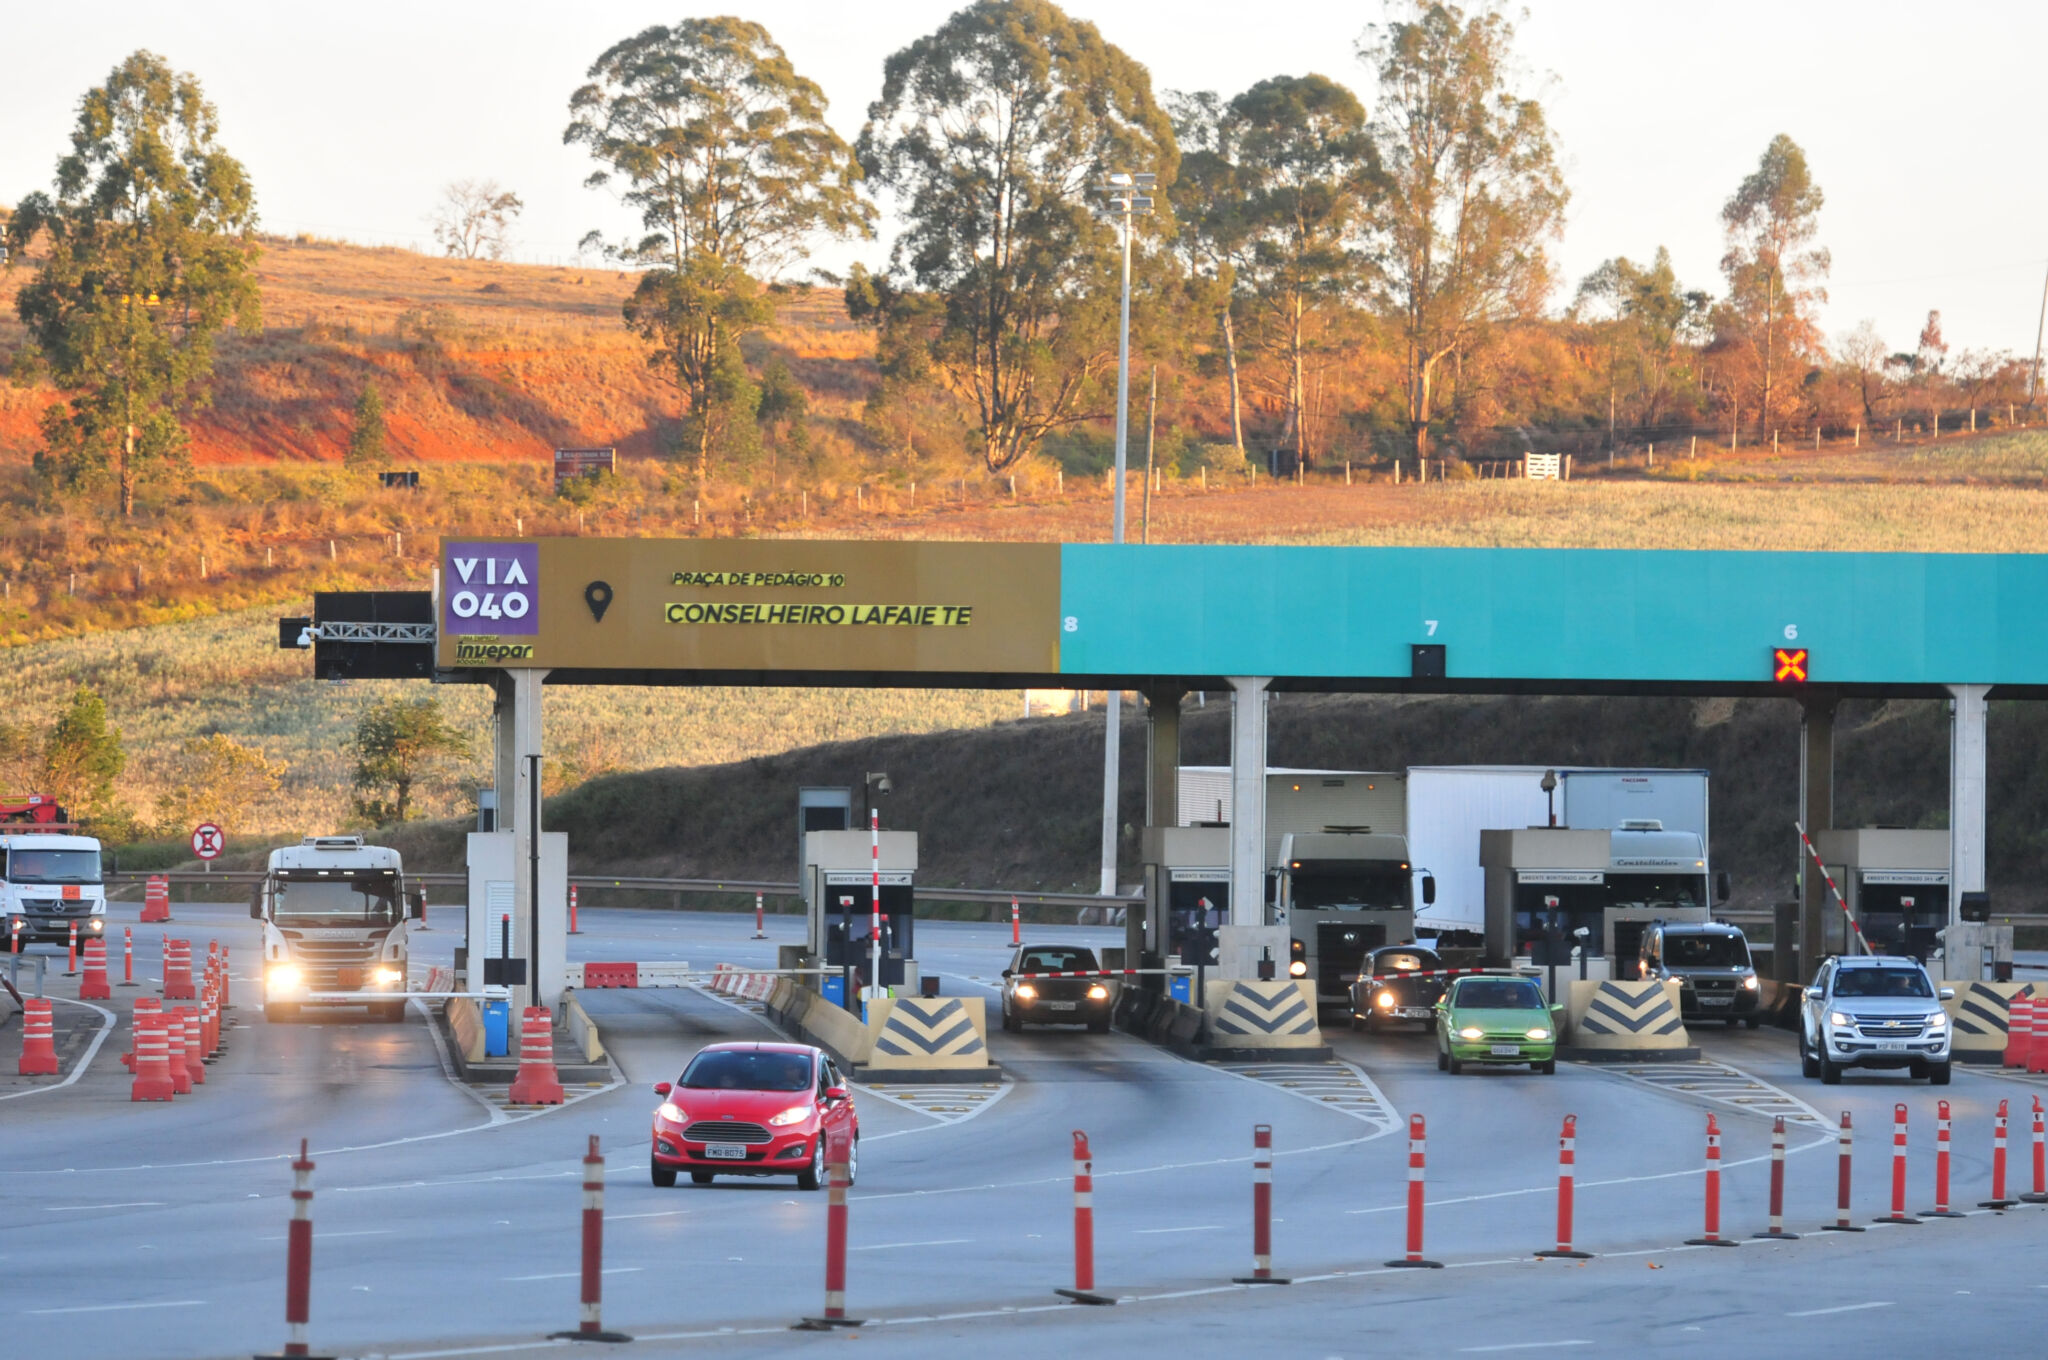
pixel 1405 961
pixel 53 866
pixel 728 1070
pixel 346 901
pixel 1881 982
pixel 1500 994
pixel 1057 961
pixel 1705 951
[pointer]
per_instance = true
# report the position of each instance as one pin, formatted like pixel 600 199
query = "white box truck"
pixel 337 923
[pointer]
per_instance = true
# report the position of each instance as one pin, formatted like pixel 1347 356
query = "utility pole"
pixel 1128 196
pixel 1151 411
pixel 2034 373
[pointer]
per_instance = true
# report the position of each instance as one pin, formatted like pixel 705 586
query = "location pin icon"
pixel 598 595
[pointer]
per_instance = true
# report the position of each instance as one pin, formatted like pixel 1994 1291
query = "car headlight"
pixel 1098 992
pixel 1749 983
pixel 1837 1018
pixel 1297 969
pixel 284 977
pixel 671 1111
pixel 795 1114
pixel 1385 1001
pixel 1938 1020
pixel 1471 1032
pixel 385 977
pixel 1027 992
pixel 1539 1033
pixel 98 924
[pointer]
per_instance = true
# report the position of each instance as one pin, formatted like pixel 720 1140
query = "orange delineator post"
pixel 837 1182
pixel 536 1083
pixel 1711 1237
pixel 1016 924
pixel 298 1261
pixel 195 1044
pixel 1417 1147
pixel 71 952
pixel 590 1323
pixel 1084 1228
pixel 1941 1165
pixel 93 986
pixel 1777 1229
pixel 2039 1194
pixel 1262 1210
pixel 1998 1198
pixel 1845 1144
pixel 127 956
pixel 574 929
pixel 1898 1213
pixel 38 1039
pixel 152 1057
pixel 2019 1028
pixel 1567 1173
pixel 225 1003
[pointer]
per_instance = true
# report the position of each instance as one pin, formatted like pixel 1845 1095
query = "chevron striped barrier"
pixel 1243 1014
pixel 1629 1019
pixel 598 976
pixel 927 1034
pixel 1981 1014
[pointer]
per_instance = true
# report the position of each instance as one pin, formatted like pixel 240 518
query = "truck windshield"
pixel 1656 890
pixel 1350 887
pixel 53 866
pixel 343 901
pixel 1705 951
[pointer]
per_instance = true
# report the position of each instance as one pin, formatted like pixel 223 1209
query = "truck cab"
pixel 337 926
pixel 1342 894
pixel 53 881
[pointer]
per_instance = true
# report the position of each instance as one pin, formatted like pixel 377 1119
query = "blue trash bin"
pixel 833 987
pixel 1178 987
pixel 497 1027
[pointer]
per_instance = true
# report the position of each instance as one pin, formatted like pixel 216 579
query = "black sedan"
pixel 1056 985
pixel 1393 987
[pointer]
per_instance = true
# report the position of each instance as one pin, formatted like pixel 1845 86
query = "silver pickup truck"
pixel 1879 1011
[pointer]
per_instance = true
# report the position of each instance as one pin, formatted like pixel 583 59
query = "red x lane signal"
pixel 1788 665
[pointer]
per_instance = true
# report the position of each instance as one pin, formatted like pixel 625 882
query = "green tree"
pixel 1472 189
pixel 1648 326
pixel 83 756
pixel 219 780
pixel 149 256
pixel 1774 269
pixel 398 745
pixel 1307 171
pixel 711 135
pixel 1212 231
pixel 366 439
pixel 992 132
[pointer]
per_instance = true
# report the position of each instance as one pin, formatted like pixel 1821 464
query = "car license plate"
pixel 1717 1001
pixel 1060 1005
pixel 1507 1050
pixel 1891 1046
pixel 731 1152
pixel 1411 1012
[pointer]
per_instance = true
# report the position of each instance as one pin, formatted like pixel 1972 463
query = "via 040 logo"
pixel 492 588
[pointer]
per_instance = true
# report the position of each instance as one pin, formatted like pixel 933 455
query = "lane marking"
pixel 571 1274
pixel 126 1204
pixel 115 1307
pixel 940 1242
pixel 1845 1308
pixel 1204 1227
pixel 1520 1346
pixel 107 1023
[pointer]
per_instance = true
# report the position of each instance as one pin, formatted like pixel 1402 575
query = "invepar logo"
pixel 492 589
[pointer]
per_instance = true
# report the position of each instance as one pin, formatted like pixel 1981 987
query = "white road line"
pixel 107 1022
pixel 1520 1346
pixel 892 1246
pixel 115 1307
pixel 572 1274
pixel 1203 1227
pixel 1845 1308
pixel 125 1204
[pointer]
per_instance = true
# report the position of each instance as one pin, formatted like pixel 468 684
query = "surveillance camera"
pixel 882 785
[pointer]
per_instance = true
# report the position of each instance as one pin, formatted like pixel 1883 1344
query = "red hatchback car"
pixel 753 1110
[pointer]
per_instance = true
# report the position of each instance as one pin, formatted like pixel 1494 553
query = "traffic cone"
pixel 174 1050
pixel 152 1058
pixel 537 1083
pixel 2019 1028
pixel 38 1040
pixel 144 1006
pixel 156 901
pixel 178 971
pixel 195 1044
pixel 93 986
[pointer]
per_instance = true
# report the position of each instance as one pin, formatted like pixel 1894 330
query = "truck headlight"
pixel 1837 1018
pixel 1749 983
pixel 1297 969
pixel 386 977
pixel 284 978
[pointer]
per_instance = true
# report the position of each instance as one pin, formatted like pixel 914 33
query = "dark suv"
pixel 1710 963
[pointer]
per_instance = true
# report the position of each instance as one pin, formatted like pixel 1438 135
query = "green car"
pixel 1496 1019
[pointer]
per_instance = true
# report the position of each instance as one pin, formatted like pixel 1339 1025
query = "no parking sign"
pixel 207 840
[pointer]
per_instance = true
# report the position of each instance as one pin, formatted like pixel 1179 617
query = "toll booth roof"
pixel 1884 848
pixel 855 850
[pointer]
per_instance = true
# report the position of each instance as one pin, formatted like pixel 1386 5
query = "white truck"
pixel 52 883
pixel 337 926
pixel 1342 894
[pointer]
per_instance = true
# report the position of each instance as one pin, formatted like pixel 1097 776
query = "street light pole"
pixel 1128 196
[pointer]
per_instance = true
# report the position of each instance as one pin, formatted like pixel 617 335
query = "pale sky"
pixel 1919 120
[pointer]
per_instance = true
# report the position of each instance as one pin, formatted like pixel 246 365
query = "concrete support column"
pixel 1162 756
pixel 516 731
pixel 1248 798
pixel 1817 814
pixel 1112 779
pixel 1966 757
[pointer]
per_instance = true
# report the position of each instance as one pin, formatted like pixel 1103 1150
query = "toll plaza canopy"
pixel 1559 621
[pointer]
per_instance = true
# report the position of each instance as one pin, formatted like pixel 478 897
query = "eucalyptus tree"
pixel 1774 270
pixel 991 132
pixel 144 252
pixel 707 131
pixel 1211 233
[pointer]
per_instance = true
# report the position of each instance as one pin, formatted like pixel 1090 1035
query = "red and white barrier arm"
pixel 1828 879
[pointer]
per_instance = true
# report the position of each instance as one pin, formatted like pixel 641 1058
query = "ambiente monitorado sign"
pixel 722 605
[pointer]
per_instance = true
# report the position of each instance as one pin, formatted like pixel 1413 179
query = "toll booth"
pixel 838 883
pixel 1896 882
pixel 1187 895
pixel 1543 885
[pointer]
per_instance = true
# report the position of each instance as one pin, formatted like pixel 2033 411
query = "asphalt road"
pixel 445 1224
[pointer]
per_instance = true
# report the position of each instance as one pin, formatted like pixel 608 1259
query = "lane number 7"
pixel 1430 624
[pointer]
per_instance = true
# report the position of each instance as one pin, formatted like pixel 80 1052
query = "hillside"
pixel 1017 804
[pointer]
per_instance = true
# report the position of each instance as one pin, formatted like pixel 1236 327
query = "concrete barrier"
pixel 1625 1022
pixel 582 1028
pixel 1262 1017
pixel 932 1037
pixel 466 1022
pixel 1980 1013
